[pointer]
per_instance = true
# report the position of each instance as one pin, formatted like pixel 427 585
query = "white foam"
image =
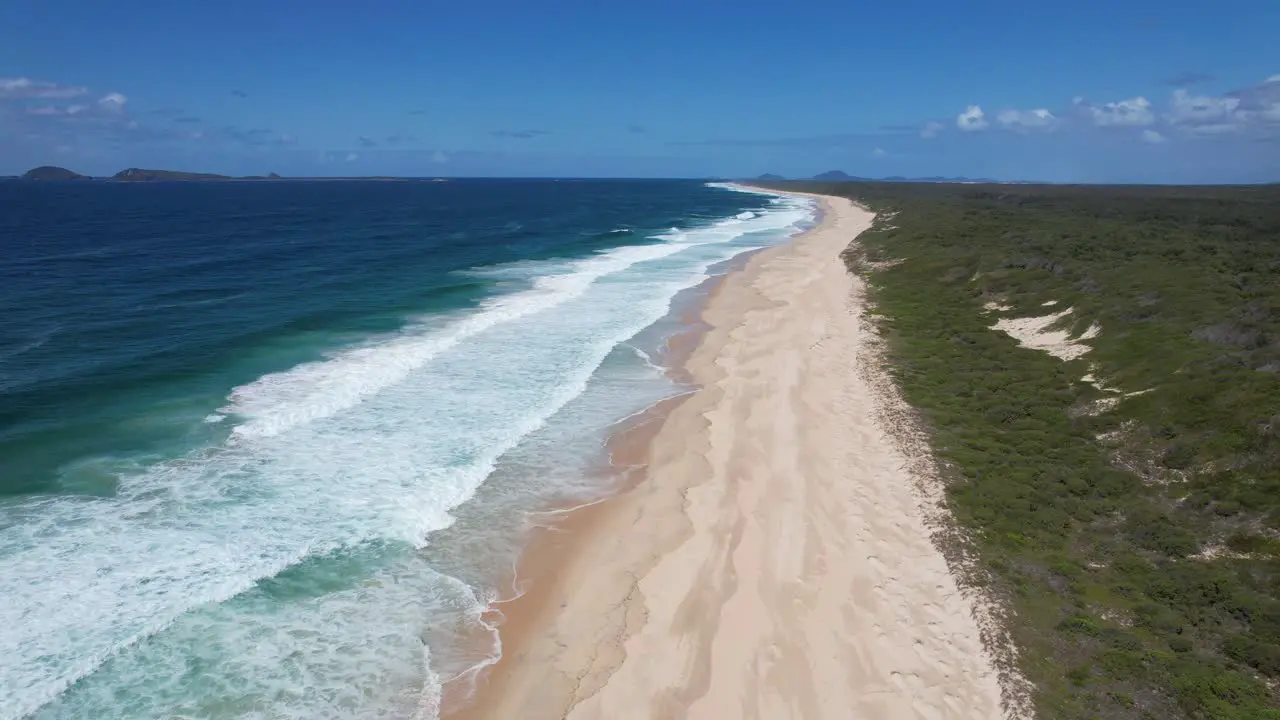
pixel 241 659
pixel 646 359
pixel 277 402
pixel 374 445
pixel 746 189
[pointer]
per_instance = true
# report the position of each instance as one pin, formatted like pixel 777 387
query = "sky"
pixel 1087 91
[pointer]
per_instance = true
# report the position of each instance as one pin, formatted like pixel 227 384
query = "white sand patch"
pixel 1107 404
pixel 993 306
pixel 1220 552
pixel 1092 378
pixel 1097 407
pixel 1036 333
pixel 1116 436
pixel 1049 303
pixel 879 265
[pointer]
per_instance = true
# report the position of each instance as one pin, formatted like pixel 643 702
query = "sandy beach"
pixel 772 559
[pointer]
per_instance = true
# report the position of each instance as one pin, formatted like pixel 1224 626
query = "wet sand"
pixel 767 556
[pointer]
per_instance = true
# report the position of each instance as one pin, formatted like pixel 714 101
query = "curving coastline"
pixel 774 560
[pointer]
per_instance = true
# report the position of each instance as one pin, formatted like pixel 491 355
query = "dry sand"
pixel 774 561
pixel 1037 333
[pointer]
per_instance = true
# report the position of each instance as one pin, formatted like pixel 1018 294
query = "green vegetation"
pixel 140 175
pixel 1137 548
pixel 51 172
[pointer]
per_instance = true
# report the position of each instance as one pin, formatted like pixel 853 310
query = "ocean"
pixel 268 450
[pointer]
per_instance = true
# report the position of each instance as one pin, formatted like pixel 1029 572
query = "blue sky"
pixel 1089 91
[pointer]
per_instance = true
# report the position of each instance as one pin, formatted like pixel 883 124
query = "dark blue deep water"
pixel 264 446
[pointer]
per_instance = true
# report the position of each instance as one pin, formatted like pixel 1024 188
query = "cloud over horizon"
pixel 1025 119
pixel 1249 111
pixel 22 88
pixel 972 119
pixel 61 119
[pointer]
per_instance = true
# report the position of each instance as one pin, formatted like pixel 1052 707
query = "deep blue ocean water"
pixel 266 448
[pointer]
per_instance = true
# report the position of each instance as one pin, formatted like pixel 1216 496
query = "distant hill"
pixel 140 175
pixel 50 172
pixel 836 175
pixel 770 177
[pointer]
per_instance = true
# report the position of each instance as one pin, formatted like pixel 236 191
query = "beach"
pixel 770 557
pixel 291 451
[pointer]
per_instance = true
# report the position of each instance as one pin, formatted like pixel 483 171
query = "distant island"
pixel 140 175
pixel 51 172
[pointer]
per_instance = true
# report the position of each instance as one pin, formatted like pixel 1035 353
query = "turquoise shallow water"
pixel 266 448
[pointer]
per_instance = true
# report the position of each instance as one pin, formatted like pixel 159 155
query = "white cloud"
pixel 972 119
pixel 54 110
pixel 1202 110
pixel 14 84
pixel 27 88
pixel 352 157
pixel 1134 112
pixel 1025 119
pixel 931 130
pixel 1252 111
pixel 1257 104
pixel 1215 129
pixel 439 157
pixel 113 102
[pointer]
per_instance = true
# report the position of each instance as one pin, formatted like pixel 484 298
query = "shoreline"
pixel 763 555
pixel 553 529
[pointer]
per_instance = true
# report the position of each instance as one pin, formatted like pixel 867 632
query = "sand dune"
pixel 774 563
